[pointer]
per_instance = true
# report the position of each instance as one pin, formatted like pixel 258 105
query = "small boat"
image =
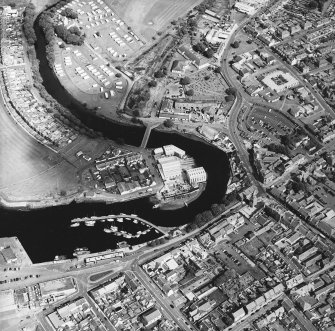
pixel 123 214
pixel 128 218
pixel 119 219
pixel 186 204
pixel 113 228
pixel 81 251
pixel 133 215
pixel 122 244
pixel 139 232
pixel 110 219
pixel 128 235
pixel 103 220
pixel 135 221
pixel 155 206
pixel 74 225
pixel 118 233
pixel 59 257
pixel 89 223
pixel 137 235
pixel 156 231
pixel 123 232
pixel 108 230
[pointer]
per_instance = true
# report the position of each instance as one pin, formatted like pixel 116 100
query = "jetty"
pixel 147 132
pixel 132 217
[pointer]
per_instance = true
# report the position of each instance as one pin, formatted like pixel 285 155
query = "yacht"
pixel 81 251
pixel 108 230
pixel 89 223
pixel 74 225
pixel 110 219
pixel 119 219
pixel 113 228
pixel 118 233
pixel 134 215
pixel 128 235
pixel 127 218
pixel 135 220
pixel 156 231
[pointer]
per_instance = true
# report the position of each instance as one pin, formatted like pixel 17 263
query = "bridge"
pixel 147 132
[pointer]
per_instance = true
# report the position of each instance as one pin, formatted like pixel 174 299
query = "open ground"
pixel 147 17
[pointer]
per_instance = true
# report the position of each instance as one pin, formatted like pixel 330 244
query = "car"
pixel 87 158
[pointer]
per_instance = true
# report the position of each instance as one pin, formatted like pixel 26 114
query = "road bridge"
pixel 147 132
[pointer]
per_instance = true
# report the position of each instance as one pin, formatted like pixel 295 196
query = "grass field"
pixel 147 17
pixel 29 170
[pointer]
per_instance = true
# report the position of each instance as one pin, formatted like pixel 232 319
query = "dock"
pixel 99 218
pixel 147 133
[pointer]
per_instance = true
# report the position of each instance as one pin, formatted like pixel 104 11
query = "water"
pixel 46 232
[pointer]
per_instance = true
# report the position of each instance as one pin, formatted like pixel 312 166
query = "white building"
pixel 245 8
pixel 170 167
pixel 152 316
pixel 196 175
pixel 279 81
pixel 173 150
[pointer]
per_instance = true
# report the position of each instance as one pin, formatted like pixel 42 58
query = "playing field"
pixel 147 17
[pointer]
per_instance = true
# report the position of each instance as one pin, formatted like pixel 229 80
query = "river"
pixel 45 233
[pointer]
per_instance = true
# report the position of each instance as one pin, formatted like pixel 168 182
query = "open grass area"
pixel 147 17
pixel 28 169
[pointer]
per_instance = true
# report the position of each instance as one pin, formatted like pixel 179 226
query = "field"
pixel 147 17
pixel 28 169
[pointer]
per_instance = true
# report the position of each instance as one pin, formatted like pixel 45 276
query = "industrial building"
pixel 151 316
pixel 170 167
pixel 196 175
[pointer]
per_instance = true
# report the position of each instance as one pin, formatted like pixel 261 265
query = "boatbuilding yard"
pixel 181 176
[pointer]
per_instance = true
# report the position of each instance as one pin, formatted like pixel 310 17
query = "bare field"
pixel 147 17
pixel 29 170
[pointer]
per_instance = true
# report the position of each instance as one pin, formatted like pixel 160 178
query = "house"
pixel 197 60
pixel 179 67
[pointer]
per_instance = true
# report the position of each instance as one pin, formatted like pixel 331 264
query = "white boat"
pixel 74 225
pixel 127 218
pixel 137 235
pixel 118 233
pixel 89 223
pixel 133 215
pixel 139 232
pixel 156 231
pixel 127 235
pixel 135 220
pixel 119 219
pixel 123 214
pixel 103 220
pixel 113 228
pixel 110 219
pixel 107 230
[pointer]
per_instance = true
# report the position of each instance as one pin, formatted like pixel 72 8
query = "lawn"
pixel 147 17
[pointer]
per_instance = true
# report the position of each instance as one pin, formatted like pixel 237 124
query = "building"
pixel 208 132
pixel 279 81
pixel 170 167
pixel 173 150
pixel 245 8
pixel 195 59
pixel 196 175
pixel 151 316
pixel 179 67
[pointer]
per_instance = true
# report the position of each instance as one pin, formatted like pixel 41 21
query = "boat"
pixel 128 235
pixel 122 231
pixel 89 223
pixel 118 233
pixel 110 219
pixel 128 218
pixel 139 232
pixel 155 206
pixel 74 225
pixel 186 204
pixel 103 220
pixel 108 230
pixel 137 235
pixel 156 231
pixel 122 244
pixel 59 257
pixel 81 251
pixel 133 215
pixel 123 214
pixel 135 221
pixel 119 219
pixel 113 228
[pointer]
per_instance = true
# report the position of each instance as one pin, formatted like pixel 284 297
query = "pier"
pixel 99 218
pixel 147 132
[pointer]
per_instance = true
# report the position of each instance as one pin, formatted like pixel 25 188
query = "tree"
pixel 189 92
pixel 209 53
pixel 231 91
pixel 168 123
pixel 235 44
pixel 217 70
pixel 229 98
pixel 118 75
pixel 185 80
pixel 152 83
pixel 69 13
pixel 312 5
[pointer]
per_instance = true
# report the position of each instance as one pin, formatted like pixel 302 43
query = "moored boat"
pixel 74 225
pixel 108 230
pixel 119 219
pixel 89 223
pixel 135 220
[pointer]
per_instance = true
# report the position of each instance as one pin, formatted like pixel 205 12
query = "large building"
pixel 170 167
pixel 279 81
pixel 173 150
pixel 196 175
pixel 151 316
